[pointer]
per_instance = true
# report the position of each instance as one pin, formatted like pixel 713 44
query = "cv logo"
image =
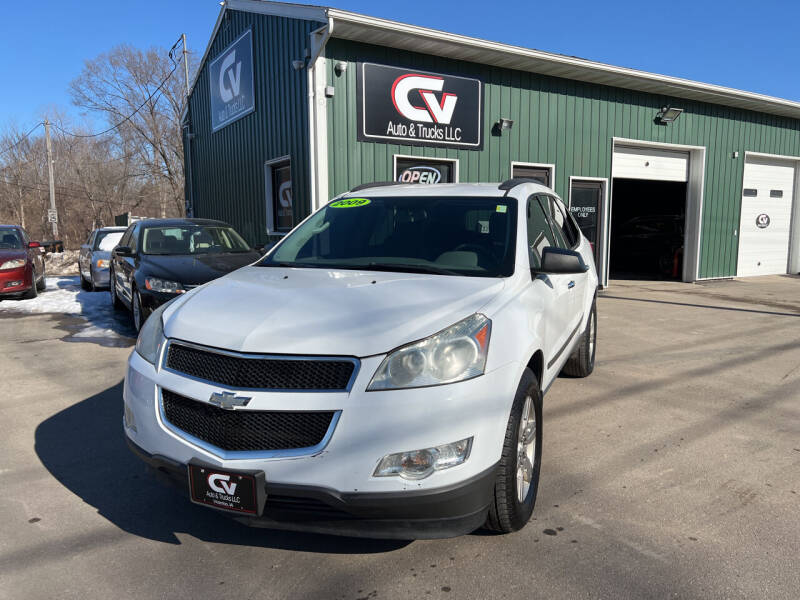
pixel 433 111
pixel 221 483
pixel 234 72
pixel 228 400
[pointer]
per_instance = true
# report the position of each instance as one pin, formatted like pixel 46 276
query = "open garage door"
pixel 648 212
pixel 765 225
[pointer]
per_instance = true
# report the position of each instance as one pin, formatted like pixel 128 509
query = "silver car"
pixel 95 255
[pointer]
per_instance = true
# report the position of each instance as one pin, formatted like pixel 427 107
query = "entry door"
pixel 586 205
pixel 766 216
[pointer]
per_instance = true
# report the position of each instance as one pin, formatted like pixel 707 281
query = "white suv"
pixel 380 372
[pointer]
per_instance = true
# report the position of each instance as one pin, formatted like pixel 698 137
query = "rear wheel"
pixel 518 473
pixel 581 363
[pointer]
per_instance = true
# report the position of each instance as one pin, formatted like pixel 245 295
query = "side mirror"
pixel 123 251
pixel 264 248
pixel 557 261
pixel 34 245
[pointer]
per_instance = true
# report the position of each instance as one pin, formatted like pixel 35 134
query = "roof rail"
pixel 364 186
pixel 515 181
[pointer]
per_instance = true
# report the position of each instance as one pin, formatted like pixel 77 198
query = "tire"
pixel 92 286
pixel 581 363
pixel 34 291
pixel 116 303
pixel 512 503
pixel 42 284
pixel 85 285
pixel 137 312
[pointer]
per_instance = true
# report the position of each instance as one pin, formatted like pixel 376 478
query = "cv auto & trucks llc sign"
pixel 230 77
pixel 404 106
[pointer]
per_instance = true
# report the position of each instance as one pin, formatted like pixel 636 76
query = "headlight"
pixel 12 264
pixel 151 336
pixel 162 285
pixel 455 354
pixel 102 263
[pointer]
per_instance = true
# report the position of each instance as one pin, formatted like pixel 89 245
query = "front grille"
pixel 245 430
pixel 269 373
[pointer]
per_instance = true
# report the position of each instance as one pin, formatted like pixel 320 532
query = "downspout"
pixel 322 34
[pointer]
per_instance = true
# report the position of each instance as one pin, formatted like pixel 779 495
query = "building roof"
pixel 372 30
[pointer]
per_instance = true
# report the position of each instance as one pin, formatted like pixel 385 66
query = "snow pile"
pixel 64 295
pixel 62 263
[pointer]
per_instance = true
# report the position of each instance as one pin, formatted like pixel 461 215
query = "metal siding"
pixel 228 165
pixel 570 124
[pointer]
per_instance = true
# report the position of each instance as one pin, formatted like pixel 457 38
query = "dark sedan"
pixel 156 259
pixel 21 263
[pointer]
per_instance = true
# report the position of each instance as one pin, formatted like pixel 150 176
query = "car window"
pixel 565 225
pixel 470 236
pixel 90 238
pixel 192 239
pixel 556 221
pixel 135 234
pixel 540 231
pixel 107 240
pixel 10 239
pixel 126 237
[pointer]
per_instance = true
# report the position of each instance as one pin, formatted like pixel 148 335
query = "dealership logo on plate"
pixel 221 484
pixel 762 221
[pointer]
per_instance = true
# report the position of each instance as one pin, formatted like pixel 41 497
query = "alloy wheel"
pixel 526 449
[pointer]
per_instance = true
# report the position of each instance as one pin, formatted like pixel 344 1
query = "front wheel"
pixel 581 363
pixel 136 307
pixel 520 463
pixel 42 283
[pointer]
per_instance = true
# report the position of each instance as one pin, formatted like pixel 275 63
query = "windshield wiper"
pixel 405 268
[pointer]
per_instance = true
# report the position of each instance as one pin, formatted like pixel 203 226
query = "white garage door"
pixel 766 216
pixel 650 163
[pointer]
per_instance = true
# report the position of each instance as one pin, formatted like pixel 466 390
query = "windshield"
pixel 192 239
pixel 107 240
pixel 471 236
pixel 10 239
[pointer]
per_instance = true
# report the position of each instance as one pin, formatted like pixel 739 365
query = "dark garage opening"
pixel 647 229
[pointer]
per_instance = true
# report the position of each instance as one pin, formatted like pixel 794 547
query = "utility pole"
pixel 185 65
pixel 52 183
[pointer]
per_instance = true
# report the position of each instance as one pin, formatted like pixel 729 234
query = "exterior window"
pixel 414 169
pixel 776 193
pixel 541 173
pixel 540 233
pixel 750 192
pixel 280 200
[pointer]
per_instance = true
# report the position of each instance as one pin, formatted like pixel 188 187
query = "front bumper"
pixel 427 514
pixel 23 275
pixel 338 476
pixel 100 277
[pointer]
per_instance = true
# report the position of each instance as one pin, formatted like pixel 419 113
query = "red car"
pixel 21 263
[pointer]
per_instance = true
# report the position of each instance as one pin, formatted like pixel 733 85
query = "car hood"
pixel 6 254
pixel 322 312
pixel 194 270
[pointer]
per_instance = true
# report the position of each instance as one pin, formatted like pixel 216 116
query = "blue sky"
pixel 754 47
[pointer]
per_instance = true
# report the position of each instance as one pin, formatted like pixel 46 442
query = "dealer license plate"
pixel 226 490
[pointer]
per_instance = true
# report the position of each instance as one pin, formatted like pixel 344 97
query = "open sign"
pixel 420 174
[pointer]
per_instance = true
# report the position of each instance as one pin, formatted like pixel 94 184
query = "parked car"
pixel 95 257
pixel 22 270
pixel 380 371
pixel 158 259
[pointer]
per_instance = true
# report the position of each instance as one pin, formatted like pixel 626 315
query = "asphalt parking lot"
pixel 673 471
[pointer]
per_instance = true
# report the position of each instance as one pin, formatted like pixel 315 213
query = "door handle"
pixel 571 285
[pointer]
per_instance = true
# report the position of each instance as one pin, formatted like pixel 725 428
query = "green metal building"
pixel 294 104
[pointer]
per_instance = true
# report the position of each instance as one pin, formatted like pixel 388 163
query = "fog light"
pixel 130 421
pixel 14 284
pixel 419 464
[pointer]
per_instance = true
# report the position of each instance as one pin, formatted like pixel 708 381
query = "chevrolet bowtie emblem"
pixel 228 400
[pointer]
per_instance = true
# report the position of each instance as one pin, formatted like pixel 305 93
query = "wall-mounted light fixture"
pixel 502 125
pixel 298 64
pixel 668 114
pixel 340 67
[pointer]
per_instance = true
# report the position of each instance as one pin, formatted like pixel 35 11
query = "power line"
pixel 23 138
pixel 130 116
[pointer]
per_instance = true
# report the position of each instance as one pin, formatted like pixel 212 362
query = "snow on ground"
pixel 64 295
pixel 62 263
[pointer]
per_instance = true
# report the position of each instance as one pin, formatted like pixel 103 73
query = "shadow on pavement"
pixel 84 448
